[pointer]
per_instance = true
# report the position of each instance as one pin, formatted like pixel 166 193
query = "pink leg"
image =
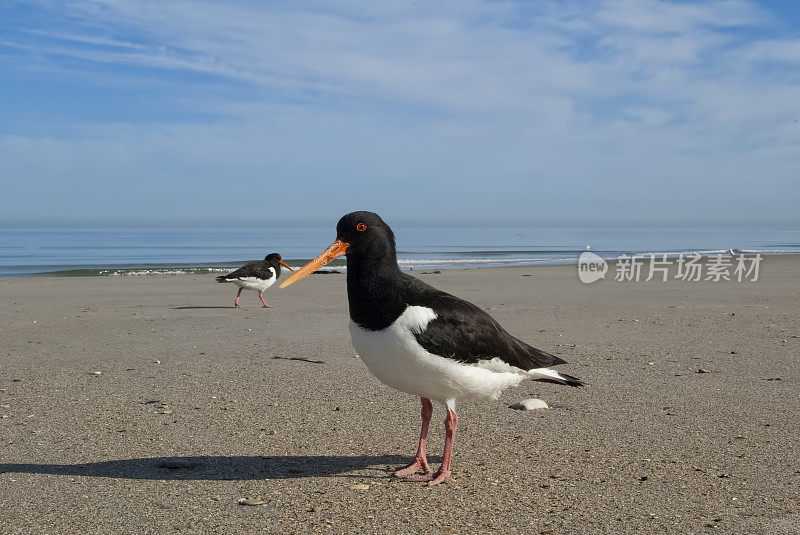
pixel 262 300
pixel 443 473
pixel 420 461
pixel 236 303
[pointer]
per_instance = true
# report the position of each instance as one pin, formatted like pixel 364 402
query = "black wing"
pixel 258 270
pixel 464 332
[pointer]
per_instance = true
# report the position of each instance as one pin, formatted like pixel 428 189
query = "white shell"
pixel 529 404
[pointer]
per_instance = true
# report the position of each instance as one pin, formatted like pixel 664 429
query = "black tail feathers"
pixel 569 380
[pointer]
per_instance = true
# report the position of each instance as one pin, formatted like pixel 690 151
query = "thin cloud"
pixel 561 102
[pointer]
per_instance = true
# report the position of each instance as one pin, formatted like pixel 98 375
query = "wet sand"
pixel 198 404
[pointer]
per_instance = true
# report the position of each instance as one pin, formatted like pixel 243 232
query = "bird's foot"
pixel 432 479
pixel 236 305
pixel 266 306
pixel 419 463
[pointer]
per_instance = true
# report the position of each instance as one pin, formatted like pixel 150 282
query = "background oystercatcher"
pixel 256 276
pixel 421 340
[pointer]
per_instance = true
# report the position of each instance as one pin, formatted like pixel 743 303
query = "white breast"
pixel 395 357
pixel 253 283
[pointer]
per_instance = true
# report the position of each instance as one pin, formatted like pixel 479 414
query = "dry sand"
pixel 649 446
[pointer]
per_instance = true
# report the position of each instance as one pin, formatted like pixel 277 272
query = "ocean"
pixel 119 252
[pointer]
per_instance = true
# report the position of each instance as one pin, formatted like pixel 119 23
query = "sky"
pixel 187 113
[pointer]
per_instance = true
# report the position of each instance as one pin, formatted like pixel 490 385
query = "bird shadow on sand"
pixel 202 307
pixel 222 468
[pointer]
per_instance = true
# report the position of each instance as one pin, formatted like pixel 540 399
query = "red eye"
pixel 361 227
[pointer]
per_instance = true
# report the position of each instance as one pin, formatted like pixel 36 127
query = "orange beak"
pixel 284 264
pixel 335 250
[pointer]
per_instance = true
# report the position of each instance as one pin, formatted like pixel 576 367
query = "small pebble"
pixel 251 501
pixel 359 486
pixel 529 404
pixel 96 373
pixel 703 370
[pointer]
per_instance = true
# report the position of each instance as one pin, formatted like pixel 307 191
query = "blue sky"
pixel 128 112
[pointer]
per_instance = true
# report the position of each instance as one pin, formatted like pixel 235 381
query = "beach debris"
pixel 178 464
pixel 16 380
pixel 96 372
pixel 251 501
pixel 529 404
pixel 301 359
pixel 703 370
pixel 359 486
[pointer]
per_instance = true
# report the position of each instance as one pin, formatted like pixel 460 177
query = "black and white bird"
pixel 256 276
pixel 423 341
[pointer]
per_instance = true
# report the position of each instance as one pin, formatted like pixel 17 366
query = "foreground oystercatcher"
pixel 256 276
pixel 423 341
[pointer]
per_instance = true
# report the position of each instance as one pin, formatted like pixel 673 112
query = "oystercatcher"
pixel 256 276
pixel 423 341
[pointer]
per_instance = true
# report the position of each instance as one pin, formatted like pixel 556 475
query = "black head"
pixel 367 235
pixel 367 241
pixel 273 258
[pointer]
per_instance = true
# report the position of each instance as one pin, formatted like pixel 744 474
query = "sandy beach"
pixel 198 404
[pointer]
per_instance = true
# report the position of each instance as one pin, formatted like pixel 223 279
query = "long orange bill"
pixel 284 264
pixel 335 250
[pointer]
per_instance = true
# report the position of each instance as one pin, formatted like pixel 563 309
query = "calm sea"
pixel 197 250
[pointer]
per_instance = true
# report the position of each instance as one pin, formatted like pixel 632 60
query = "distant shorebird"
pixel 256 276
pixel 423 341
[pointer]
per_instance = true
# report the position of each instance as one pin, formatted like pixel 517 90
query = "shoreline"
pixel 173 269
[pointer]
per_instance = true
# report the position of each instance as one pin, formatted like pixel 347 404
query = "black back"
pixel 378 293
pixel 259 270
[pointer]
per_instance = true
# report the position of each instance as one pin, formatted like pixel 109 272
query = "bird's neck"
pixel 374 291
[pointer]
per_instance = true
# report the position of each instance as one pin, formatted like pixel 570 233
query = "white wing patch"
pixel 415 319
